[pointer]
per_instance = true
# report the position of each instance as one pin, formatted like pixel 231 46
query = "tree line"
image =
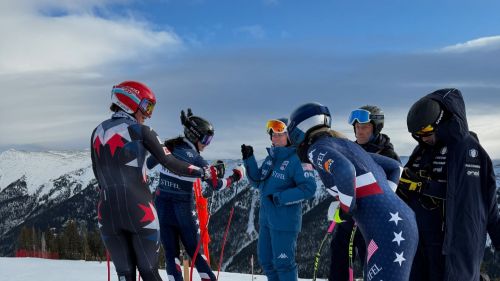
pixel 70 243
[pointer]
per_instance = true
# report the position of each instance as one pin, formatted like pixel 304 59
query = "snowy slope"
pixel 28 269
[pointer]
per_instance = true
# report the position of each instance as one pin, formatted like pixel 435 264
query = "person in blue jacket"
pixel 363 184
pixel 283 184
pixel 449 182
pixel 175 198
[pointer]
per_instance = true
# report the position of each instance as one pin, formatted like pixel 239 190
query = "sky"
pixel 240 63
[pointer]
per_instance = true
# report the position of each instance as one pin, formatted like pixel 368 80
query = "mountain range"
pixel 46 189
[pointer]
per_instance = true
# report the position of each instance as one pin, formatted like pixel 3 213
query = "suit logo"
pixel 473 153
pixel 284 165
pixel 444 150
pixel 282 256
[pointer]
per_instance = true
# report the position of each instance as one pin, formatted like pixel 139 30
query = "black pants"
pixel 429 262
pixel 131 236
pixel 339 247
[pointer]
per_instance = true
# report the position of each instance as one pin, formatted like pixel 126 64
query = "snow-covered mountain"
pixel 47 188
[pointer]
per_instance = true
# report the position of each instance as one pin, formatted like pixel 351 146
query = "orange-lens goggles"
pixel 276 125
pixel 146 106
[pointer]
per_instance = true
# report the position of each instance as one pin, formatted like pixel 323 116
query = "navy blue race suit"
pixel 364 184
pixel 468 189
pixel 339 245
pixel 177 214
pixel 126 215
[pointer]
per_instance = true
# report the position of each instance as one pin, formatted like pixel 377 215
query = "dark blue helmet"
pixel 305 118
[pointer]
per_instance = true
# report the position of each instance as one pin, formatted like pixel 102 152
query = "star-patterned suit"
pixel 176 210
pixel 127 218
pixel 364 184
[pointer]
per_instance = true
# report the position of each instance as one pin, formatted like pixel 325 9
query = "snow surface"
pixel 40 168
pixel 29 269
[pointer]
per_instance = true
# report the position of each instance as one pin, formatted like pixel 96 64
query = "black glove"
pixel 210 176
pixel 413 181
pixel 221 168
pixel 246 151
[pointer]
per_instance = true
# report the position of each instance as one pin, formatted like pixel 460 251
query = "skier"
pixel 175 198
pixel 367 122
pixel 126 215
pixel 283 184
pixel 365 192
pixel 450 184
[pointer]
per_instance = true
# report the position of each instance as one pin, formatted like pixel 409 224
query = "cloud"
pixel 69 35
pixel 480 44
pixel 238 90
pixel 255 31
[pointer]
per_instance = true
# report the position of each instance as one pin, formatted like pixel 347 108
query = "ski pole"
pixel 318 254
pixel 351 246
pixel 109 272
pixel 225 233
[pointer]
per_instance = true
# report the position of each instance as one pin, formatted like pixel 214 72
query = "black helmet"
pixel 376 118
pixel 196 129
pixel 426 113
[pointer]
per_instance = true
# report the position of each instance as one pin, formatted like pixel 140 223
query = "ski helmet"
pixel 368 113
pixel 131 96
pixel 196 129
pixel 305 118
pixel 424 116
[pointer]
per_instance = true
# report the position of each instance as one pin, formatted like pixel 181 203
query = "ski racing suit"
pixel 283 184
pixel 177 213
pixel 339 244
pixel 127 218
pixel 367 193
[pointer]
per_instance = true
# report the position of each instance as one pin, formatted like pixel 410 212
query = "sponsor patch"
pixel 284 165
pixel 473 153
pixel 444 150
pixel 328 165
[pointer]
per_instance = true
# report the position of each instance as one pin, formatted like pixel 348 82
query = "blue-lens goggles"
pixel 363 116
pixel 359 115
pixel 205 140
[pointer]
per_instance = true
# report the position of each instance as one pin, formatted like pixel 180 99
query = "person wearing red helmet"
pixel 126 215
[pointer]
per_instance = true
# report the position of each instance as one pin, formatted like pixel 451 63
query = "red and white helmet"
pixel 132 96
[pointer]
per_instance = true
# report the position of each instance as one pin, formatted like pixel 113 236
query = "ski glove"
pixel 210 176
pixel 220 166
pixel 246 151
pixel 413 181
pixel 238 173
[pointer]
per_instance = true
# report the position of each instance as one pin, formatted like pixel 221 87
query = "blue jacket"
pixel 471 206
pixel 282 178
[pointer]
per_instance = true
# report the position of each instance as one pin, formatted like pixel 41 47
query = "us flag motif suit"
pixel 364 184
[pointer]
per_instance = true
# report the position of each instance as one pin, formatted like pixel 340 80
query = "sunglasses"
pixel 276 126
pixel 146 106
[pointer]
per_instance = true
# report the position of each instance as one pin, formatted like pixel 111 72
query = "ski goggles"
pixel 426 131
pixel 277 126
pixel 205 140
pixel 362 116
pixel 146 106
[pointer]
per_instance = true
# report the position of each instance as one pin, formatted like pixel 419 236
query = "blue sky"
pixel 240 63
